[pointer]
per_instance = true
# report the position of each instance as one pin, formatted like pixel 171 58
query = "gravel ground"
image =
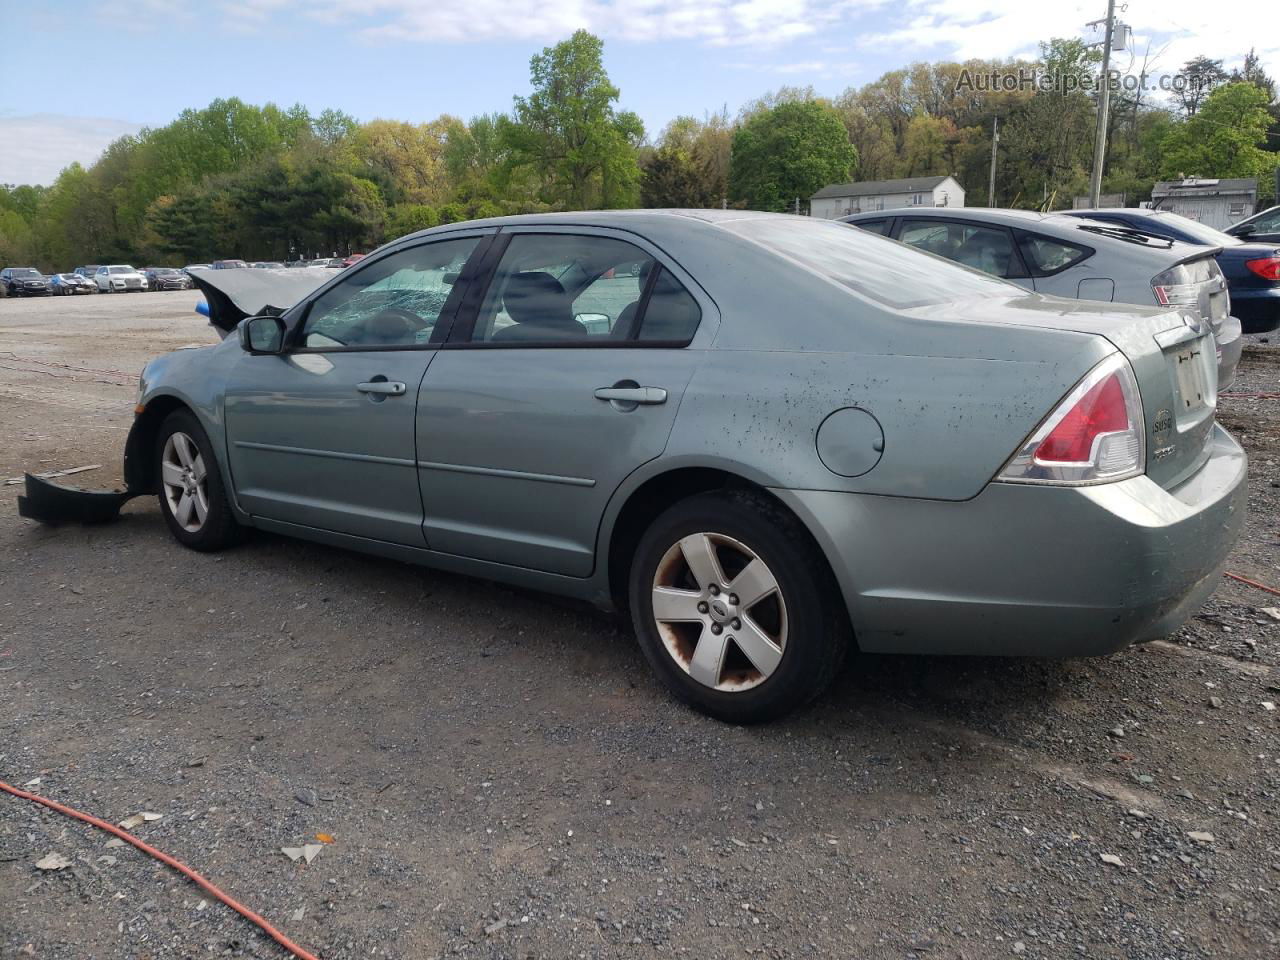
pixel 500 776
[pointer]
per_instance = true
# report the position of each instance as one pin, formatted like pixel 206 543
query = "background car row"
pixel 1123 256
pixel 124 278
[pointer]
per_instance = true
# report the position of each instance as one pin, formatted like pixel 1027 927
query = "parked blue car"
pixel 1252 269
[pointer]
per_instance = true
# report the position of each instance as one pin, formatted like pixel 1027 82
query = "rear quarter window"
pixel 1046 255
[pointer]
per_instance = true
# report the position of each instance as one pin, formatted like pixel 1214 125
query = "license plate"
pixel 1190 372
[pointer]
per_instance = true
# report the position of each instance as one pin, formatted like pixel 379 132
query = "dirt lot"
pixel 502 778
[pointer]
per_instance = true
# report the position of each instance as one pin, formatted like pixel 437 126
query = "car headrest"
pixel 536 297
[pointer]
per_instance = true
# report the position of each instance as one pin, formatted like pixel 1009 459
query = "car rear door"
pixel 559 380
pixel 322 435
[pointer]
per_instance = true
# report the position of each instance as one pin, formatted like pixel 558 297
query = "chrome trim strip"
pixel 330 454
pixel 508 474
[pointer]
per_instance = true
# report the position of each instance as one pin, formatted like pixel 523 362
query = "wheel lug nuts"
pixel 737 624
pixel 716 629
pixel 715 591
pixel 703 608
pixel 733 598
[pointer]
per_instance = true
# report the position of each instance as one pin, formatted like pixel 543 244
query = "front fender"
pixel 194 379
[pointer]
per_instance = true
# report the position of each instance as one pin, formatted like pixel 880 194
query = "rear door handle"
pixel 391 388
pixel 632 394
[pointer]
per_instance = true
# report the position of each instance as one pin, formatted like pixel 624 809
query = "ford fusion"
pixel 769 438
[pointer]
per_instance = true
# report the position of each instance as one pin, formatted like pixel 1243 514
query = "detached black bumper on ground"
pixel 55 504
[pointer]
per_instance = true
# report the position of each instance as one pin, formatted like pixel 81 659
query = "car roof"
pixel 988 214
pixel 602 218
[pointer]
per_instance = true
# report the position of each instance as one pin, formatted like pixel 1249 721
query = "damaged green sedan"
pixel 767 437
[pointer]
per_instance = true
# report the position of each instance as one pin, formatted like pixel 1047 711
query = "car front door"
pixel 557 383
pixel 322 435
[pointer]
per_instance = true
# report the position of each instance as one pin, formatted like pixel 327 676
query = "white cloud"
pixel 1178 29
pixel 919 29
pixel 716 22
pixel 35 147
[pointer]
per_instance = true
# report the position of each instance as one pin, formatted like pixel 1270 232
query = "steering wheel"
pixel 415 321
pixel 394 325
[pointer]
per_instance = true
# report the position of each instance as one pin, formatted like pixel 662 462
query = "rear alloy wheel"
pixel 192 497
pixel 735 607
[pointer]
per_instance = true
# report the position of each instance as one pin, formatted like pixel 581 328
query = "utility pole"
pixel 991 183
pixel 1104 107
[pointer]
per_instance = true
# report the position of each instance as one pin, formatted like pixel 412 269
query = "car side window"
pixel 989 249
pixel 872 226
pixel 566 288
pixel 395 301
pixel 1267 223
pixel 671 314
pixel 1047 256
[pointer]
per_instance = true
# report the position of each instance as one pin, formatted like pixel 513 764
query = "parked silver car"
pixel 1081 259
pixel 768 437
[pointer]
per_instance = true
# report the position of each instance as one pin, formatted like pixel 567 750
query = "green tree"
pixel 789 151
pixel 1224 137
pixel 1201 76
pixel 671 179
pixel 410 218
pixel 569 135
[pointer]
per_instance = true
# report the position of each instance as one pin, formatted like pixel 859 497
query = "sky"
pixel 85 73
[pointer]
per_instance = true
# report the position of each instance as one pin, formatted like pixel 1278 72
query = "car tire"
pixel 737 659
pixel 190 483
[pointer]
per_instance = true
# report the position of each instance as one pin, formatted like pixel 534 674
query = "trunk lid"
pixel 1173 356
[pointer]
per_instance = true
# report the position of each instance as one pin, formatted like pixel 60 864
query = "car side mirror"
pixel 1244 230
pixel 263 335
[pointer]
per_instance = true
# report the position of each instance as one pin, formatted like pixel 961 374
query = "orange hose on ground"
pixel 1252 583
pixel 164 858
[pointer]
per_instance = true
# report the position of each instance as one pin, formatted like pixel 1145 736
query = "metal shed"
pixel 1215 203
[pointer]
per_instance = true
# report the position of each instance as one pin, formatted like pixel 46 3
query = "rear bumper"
pixel 1257 309
pixel 1031 570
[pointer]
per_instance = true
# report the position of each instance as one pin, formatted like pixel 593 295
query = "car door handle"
pixel 391 388
pixel 632 394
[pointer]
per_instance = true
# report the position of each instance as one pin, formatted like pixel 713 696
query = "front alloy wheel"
pixel 192 497
pixel 186 481
pixel 735 606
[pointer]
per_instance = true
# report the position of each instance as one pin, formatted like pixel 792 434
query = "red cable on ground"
pixel 1252 583
pixel 164 858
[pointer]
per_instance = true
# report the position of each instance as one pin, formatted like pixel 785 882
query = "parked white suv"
pixel 119 278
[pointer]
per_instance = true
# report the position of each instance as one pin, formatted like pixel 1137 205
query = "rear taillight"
pixel 1095 435
pixel 1268 268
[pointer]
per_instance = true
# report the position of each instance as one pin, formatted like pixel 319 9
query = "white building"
pixel 842 199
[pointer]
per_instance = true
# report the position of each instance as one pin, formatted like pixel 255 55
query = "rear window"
pixel 1198 232
pixel 871 226
pixel 874 267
